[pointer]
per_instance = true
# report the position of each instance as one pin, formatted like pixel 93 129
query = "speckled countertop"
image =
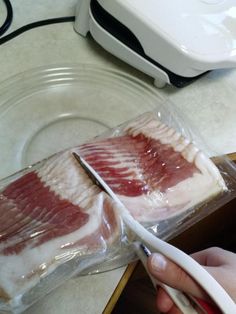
pixel 209 104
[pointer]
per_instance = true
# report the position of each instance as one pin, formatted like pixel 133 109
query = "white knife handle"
pixel 217 293
pixel 180 300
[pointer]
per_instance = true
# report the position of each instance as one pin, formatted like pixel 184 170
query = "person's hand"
pixel 219 263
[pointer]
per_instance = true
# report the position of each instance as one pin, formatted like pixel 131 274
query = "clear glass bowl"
pixel 45 110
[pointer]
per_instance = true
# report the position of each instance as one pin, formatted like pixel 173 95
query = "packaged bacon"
pixel 56 223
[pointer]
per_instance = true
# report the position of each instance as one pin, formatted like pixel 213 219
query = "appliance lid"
pixel 203 29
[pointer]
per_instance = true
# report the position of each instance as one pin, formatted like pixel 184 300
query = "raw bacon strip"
pixel 150 165
pixel 40 229
pixel 154 170
pixel 59 217
pixel 56 214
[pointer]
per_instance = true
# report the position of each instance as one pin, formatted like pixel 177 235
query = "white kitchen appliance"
pixel 174 42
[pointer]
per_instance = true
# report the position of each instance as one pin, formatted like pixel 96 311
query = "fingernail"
pixel 158 262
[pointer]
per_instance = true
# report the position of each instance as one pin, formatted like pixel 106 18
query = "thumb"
pixel 172 275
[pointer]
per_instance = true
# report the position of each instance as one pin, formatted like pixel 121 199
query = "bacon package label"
pixel 55 222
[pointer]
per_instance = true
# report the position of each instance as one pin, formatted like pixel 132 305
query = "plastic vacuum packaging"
pixel 56 223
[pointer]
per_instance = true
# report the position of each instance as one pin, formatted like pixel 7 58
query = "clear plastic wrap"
pixel 55 223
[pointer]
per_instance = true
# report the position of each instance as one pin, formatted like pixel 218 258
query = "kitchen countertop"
pixel 208 104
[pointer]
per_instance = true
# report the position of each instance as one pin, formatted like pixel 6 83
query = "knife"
pixel 223 302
